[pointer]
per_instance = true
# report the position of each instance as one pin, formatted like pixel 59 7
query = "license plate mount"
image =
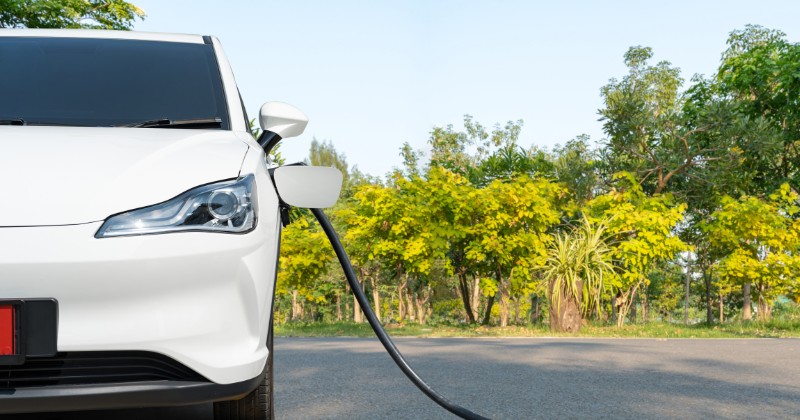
pixel 12 338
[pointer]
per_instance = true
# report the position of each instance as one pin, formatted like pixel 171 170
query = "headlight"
pixel 228 206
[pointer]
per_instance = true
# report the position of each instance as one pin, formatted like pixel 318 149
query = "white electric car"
pixel 139 224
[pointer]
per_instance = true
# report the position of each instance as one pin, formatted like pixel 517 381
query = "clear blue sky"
pixel 374 74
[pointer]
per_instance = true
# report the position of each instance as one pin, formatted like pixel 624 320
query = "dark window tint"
pixel 105 82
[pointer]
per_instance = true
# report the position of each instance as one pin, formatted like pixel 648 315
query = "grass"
pixel 771 329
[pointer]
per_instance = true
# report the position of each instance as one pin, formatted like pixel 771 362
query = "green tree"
pixel 643 234
pixel 304 259
pixel 481 155
pixel 760 241
pixel 393 226
pixel 576 165
pixel 761 69
pixel 510 236
pixel 666 289
pixel 577 266
pixel 451 211
pixel 86 14
pixel 649 133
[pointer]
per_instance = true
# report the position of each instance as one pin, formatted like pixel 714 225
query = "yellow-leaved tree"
pixel 642 232
pixel 510 235
pixel 759 240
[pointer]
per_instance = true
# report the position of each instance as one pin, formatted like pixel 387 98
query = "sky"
pixel 372 75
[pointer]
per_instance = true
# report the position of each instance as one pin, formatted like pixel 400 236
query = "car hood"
pixel 73 175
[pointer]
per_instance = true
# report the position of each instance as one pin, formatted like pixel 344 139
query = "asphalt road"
pixel 542 378
pixel 352 378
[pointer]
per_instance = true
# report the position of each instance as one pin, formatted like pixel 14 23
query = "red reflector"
pixel 6 330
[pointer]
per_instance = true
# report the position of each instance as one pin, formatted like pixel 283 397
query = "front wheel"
pixel 258 404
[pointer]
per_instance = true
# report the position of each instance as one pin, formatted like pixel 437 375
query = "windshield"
pixel 108 82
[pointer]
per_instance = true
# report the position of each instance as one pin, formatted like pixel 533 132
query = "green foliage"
pixel 761 69
pixel 643 231
pixel 640 116
pixel 666 290
pixel 481 221
pixel 576 165
pixel 482 156
pixel 759 240
pixel 692 141
pixel 86 14
pixel 578 265
pixel 305 257
pixel 513 220
pixel 643 227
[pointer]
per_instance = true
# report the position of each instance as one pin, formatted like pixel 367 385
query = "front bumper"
pixel 202 299
pixel 100 380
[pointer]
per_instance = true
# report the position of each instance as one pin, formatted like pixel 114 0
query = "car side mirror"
pixel 282 119
pixel 314 187
pixel 279 121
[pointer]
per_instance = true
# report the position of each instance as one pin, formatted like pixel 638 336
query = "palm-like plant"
pixel 576 266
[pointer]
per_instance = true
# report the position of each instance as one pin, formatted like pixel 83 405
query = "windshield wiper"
pixel 12 121
pixel 215 122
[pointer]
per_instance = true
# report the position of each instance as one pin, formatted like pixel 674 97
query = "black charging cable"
pixel 350 274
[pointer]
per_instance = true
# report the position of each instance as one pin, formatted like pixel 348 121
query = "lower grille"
pixel 76 368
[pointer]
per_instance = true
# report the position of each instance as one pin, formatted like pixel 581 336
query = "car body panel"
pixel 72 175
pixel 238 120
pixel 203 299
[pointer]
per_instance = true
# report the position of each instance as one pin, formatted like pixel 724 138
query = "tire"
pixel 258 404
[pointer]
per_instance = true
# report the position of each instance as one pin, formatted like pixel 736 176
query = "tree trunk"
pixel 503 300
pixel 709 311
pixel 346 302
pixel 600 307
pixel 488 314
pixel 465 296
pixel 358 316
pixel 614 305
pixel 420 309
pixel 625 304
pixel 747 313
pixel 645 307
pixel 338 307
pixel 421 305
pixel 721 309
pixel 476 296
pixel 566 316
pixel 376 297
pixel 535 309
pixel 296 310
pixel 686 296
pixel 412 316
pixel 401 309
pixel 764 309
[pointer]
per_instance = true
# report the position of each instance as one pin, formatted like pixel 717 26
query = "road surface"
pixel 542 378
pixel 515 378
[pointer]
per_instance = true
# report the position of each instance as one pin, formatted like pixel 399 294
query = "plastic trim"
pixel 122 395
